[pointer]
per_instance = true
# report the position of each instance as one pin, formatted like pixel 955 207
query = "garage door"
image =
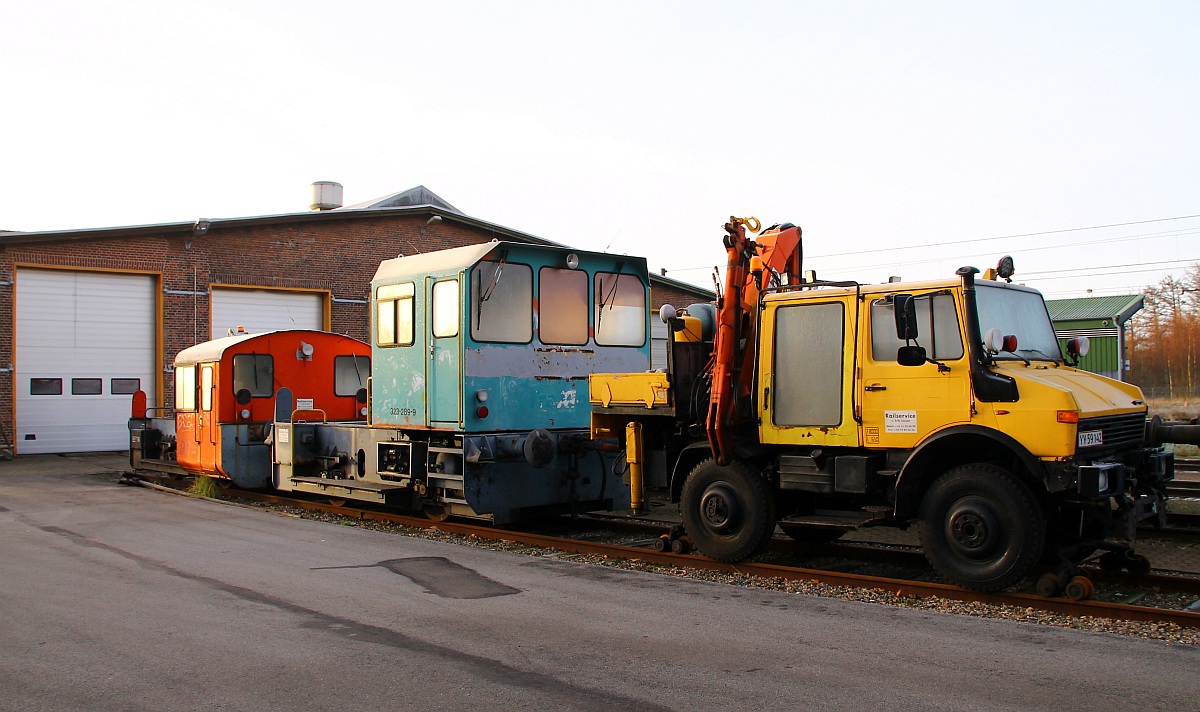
pixel 84 344
pixel 258 310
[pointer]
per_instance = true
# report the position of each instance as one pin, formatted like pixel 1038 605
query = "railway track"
pixel 1184 488
pixel 1131 590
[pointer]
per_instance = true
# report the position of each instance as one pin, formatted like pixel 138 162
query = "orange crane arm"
pixel 750 268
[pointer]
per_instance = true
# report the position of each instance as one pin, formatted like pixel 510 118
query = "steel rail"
pixel 899 587
pixel 1183 488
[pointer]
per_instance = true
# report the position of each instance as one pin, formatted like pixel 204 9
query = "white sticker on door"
pixel 900 421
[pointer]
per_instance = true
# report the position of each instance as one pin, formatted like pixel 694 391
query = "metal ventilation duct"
pixel 326 195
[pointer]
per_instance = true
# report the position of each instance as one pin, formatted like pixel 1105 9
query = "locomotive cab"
pixel 478 403
pixel 225 393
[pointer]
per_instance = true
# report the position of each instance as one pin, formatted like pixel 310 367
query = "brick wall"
pixel 339 256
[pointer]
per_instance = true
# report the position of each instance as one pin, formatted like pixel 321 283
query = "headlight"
pixel 1101 480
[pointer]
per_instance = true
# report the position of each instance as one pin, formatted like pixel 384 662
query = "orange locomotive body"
pixel 225 401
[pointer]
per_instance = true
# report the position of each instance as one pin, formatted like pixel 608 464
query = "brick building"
pixel 99 313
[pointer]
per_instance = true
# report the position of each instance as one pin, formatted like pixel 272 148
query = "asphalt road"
pixel 116 598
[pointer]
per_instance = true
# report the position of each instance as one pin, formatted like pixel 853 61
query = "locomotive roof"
pixel 213 350
pixel 462 257
pixel 430 262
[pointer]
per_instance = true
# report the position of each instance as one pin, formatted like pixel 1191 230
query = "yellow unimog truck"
pixel 823 407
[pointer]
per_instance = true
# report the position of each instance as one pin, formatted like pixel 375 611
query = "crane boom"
pixel 751 266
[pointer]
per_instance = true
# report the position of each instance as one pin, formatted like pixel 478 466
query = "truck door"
pixel 806 372
pixel 443 369
pixel 902 404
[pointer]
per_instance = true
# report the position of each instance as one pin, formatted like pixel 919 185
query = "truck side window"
pixel 809 352
pixel 620 310
pixel 562 306
pixel 254 373
pixel 394 314
pixel 937 326
pixel 185 388
pixel 502 302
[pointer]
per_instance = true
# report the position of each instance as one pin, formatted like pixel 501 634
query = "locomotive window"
pixel 394 314
pixel 620 310
pixel 87 386
pixel 562 306
pixel 502 302
pixel 254 373
pixel 937 328
pixel 45 386
pixel 124 386
pixel 445 308
pixel 185 388
pixel 350 374
pixel 206 388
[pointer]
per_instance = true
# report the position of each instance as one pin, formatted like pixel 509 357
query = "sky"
pixel 905 138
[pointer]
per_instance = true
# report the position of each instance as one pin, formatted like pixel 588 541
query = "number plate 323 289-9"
pixel 1091 437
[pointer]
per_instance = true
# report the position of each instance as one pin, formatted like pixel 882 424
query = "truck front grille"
pixel 1119 431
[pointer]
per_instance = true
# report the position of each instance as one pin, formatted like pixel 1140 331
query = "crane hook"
pixel 753 223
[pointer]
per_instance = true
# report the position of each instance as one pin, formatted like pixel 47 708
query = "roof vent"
pixel 326 195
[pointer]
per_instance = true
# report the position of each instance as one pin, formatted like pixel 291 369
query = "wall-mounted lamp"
pixel 199 229
pixel 431 221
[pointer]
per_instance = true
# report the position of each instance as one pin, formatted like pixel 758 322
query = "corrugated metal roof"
pixel 406 199
pixel 1119 307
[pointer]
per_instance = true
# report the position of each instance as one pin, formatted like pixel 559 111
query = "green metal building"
pixel 1102 320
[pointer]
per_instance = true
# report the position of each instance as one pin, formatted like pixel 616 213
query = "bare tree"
pixel 1164 338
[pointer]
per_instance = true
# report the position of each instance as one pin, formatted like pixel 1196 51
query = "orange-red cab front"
pixel 225 395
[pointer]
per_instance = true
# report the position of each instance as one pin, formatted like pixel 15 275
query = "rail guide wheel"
pixel 1048 585
pixel 1079 588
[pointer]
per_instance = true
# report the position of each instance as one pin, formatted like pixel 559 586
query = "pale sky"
pixel 890 131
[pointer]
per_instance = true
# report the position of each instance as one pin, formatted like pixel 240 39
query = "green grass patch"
pixel 205 487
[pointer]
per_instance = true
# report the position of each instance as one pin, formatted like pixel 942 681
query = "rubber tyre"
pixel 727 511
pixel 981 528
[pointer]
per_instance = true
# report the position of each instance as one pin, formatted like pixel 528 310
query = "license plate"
pixel 1091 437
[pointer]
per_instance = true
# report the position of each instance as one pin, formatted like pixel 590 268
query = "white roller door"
pixel 84 343
pixel 259 310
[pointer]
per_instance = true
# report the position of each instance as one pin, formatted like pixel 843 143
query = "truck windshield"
pixel 1019 313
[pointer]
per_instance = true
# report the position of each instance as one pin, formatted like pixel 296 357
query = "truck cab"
pixel 945 403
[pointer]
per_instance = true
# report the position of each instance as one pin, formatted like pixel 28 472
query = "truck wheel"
pixel 981 528
pixel 727 510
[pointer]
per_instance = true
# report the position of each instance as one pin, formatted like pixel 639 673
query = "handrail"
pixel 324 417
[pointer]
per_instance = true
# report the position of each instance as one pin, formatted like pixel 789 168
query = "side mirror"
pixel 906 316
pixel 911 356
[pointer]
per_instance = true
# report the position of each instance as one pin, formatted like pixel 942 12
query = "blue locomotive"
pixel 477 402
